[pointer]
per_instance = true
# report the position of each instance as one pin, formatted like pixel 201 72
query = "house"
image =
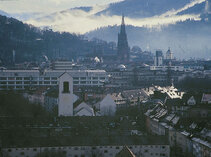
pixel 119 100
pixel 154 120
pixel 134 96
pixel 107 106
pixel 191 101
pixel 83 110
pixel 206 98
pixel 177 106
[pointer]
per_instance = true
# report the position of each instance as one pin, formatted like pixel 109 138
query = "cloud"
pixel 187 6
pixel 79 21
pixel 46 6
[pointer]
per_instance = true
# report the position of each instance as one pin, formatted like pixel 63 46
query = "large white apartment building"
pixel 24 79
pixel 152 150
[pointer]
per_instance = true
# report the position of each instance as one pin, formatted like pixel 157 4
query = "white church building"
pixel 106 107
pixel 67 98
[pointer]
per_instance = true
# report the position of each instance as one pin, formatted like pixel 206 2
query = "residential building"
pixel 107 106
pixel 146 149
pixel 83 110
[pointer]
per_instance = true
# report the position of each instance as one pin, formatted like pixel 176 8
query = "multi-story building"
pixel 146 150
pixel 145 76
pixel 24 79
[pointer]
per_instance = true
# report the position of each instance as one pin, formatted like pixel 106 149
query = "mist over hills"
pixel 4 13
pixel 143 8
pixel 187 39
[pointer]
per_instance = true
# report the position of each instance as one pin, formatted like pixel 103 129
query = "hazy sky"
pixel 46 6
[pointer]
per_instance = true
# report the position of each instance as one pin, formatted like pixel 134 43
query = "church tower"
pixel 66 96
pixel 122 47
pixel 208 7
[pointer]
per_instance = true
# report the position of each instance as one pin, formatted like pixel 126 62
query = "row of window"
pixel 94 148
pixel 49 78
pixel 27 82
pixel 85 82
pixel 94 155
pixel 88 78
pixel 45 82
pixel 28 78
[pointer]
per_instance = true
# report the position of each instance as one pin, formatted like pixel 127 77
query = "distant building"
pixel 169 54
pixel 122 47
pixel 62 65
pixel 208 6
pixel 158 59
pixel 166 68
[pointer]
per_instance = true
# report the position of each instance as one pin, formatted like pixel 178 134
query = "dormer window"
pixel 66 87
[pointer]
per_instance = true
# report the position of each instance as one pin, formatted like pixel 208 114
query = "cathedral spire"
pixel 123 19
pixel 122 30
pixel 123 48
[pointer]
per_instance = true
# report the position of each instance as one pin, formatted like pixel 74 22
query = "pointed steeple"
pixel 123 19
pixel 123 48
pixel 122 30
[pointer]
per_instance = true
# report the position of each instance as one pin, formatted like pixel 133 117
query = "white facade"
pixel 165 68
pixel 23 79
pixel 66 97
pixel 107 106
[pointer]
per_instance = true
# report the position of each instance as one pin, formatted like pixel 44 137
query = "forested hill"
pixel 31 43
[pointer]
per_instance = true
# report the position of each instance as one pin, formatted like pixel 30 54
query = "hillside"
pixel 31 43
